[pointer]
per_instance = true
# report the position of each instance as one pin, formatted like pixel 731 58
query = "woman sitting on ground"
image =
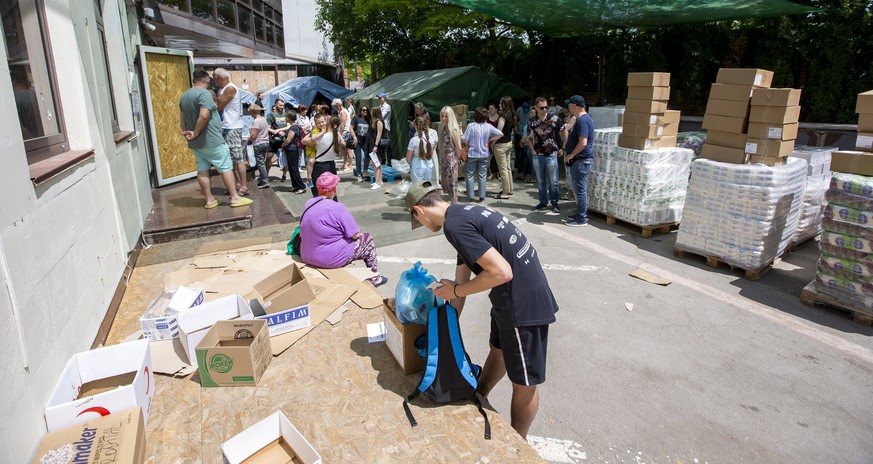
pixel 329 236
pixel 420 151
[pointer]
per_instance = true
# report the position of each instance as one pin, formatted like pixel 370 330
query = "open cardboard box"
pixel 400 339
pixel 272 440
pixel 118 437
pixel 195 322
pixel 234 353
pixel 101 382
pixel 160 320
pixel 283 300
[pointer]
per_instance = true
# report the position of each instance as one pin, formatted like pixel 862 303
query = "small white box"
pixel 101 382
pixel 196 321
pixel 262 443
pixel 159 322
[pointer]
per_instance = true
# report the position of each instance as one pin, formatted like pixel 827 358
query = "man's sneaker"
pixel 555 211
pixel 263 185
pixel 575 223
pixel 539 207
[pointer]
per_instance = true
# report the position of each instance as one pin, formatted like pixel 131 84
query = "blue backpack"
pixel 449 375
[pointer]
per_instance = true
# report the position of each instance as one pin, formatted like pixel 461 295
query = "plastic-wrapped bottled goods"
pixel 744 214
pixel 818 177
pixel 643 187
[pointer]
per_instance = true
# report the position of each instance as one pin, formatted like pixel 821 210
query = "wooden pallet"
pixel 810 296
pixel 799 245
pixel 644 231
pixel 716 262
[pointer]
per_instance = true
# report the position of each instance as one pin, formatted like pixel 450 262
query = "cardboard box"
pixel 852 162
pixel 771 148
pixel 159 322
pixel 726 139
pixel 117 438
pixel 733 108
pixel 272 440
pixel 400 339
pixel 864 141
pixel 725 123
pixel 283 300
pixel 865 122
pixel 643 143
pixel 650 131
pixel 745 76
pixel 775 114
pixel 234 353
pixel 864 103
pixel 646 79
pixel 460 113
pixel 760 130
pixel 645 106
pixel 768 160
pixel 101 382
pixel 723 154
pixel 648 93
pixel 731 92
pixel 195 322
pixel 776 97
pixel 645 119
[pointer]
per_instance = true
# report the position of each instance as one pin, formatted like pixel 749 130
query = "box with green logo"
pixel 234 353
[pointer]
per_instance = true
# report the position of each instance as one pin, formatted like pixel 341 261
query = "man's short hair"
pixel 221 72
pixel 200 75
pixel 480 115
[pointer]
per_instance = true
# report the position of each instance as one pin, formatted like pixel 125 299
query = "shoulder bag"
pixel 294 244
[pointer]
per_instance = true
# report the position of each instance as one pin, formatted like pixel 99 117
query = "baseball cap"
pixel 416 192
pixel 576 100
pixel 382 95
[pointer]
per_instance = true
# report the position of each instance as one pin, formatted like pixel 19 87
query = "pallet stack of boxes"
pixel 726 119
pixel 864 108
pixel 818 179
pixel 647 124
pixel 773 123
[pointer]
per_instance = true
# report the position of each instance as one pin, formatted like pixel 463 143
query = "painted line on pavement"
pixel 555 450
pixel 452 262
pixel 751 307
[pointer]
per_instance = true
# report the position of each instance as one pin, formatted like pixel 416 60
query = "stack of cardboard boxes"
pixel 727 113
pixel 647 124
pixel 860 161
pixel 773 122
pixel 864 108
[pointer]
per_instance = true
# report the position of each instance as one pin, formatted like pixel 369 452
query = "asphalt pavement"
pixel 712 368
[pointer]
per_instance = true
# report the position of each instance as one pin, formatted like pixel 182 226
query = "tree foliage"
pixel 828 53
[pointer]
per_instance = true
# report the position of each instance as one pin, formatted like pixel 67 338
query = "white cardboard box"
pixel 264 439
pixel 159 323
pixel 101 382
pixel 195 322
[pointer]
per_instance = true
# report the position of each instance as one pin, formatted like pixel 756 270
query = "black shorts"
pixel 524 352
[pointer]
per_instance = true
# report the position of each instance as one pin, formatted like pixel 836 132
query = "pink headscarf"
pixel 327 182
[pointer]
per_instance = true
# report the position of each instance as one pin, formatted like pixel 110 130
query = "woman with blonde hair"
pixel 420 151
pixel 328 144
pixel 375 149
pixel 450 149
pixel 347 136
pixel 503 146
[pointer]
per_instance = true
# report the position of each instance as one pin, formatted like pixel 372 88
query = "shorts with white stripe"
pixel 524 352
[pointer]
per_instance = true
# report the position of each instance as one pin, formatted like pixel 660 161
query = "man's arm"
pixel 202 121
pixel 495 271
pixel 225 97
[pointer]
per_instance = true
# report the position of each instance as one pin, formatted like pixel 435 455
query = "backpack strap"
pixel 408 411
pixel 485 416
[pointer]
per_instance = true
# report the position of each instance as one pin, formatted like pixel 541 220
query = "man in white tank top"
pixel 230 106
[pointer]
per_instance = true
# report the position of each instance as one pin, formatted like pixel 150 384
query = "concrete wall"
pixel 302 41
pixel 64 244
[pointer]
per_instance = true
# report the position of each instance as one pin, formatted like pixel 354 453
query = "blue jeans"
pixel 361 159
pixel 579 171
pixel 478 168
pixel 548 186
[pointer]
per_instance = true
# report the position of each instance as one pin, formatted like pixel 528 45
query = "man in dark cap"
pixel 579 157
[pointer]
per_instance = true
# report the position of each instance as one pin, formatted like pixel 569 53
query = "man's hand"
pixel 189 135
pixel 446 291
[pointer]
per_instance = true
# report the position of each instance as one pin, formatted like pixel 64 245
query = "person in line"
pixel 278 127
pixel 522 167
pixel 259 139
pixel 292 154
pixel 478 137
pixel 329 236
pixel 230 106
pixel 493 118
pixel 569 120
pixel 350 107
pixel 201 127
pixel 554 107
pixel 450 147
pixel 503 146
pixel 360 129
pixel 328 145
pixel 374 148
pixel 420 151
pixel 579 158
pixel 260 99
pixel 542 139
pixel 385 108
pixel 345 132
pixel 523 306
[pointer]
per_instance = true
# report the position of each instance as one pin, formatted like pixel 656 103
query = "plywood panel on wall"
pixel 168 78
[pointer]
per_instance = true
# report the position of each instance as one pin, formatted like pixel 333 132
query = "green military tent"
pixel 435 88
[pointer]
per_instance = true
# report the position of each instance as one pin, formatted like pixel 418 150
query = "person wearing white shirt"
pixel 421 150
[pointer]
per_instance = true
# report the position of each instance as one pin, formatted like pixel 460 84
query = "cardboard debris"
pixel 168 357
pixel 233 246
pixel 365 294
pixel 328 297
pixel 187 276
pixel 337 316
pixel 226 282
pixel 649 277
pixel 628 306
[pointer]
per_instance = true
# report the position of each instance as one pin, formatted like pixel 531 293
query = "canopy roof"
pixel 435 88
pixel 304 90
pixel 581 17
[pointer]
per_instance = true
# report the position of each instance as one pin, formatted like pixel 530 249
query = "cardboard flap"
pixel 168 357
pixel 365 294
pixel 235 246
pixel 329 297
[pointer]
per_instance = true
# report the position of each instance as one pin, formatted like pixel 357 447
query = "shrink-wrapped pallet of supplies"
pixel 641 187
pixel 818 179
pixel 743 214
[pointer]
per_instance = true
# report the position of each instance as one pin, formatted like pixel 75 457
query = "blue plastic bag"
pixel 412 297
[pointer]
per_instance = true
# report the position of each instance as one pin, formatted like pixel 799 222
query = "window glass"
pixel 268 11
pixel 280 37
pixel 245 20
pixel 225 14
pixel 202 9
pixel 32 78
pixel 177 4
pixel 269 28
pixel 258 6
pixel 259 27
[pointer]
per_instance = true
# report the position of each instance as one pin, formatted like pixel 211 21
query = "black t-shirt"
pixel 526 300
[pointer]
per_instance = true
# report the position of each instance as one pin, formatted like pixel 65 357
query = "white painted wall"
pixel 302 41
pixel 64 244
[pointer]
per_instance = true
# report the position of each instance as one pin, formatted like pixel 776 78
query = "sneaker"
pixel 575 223
pixel 375 186
pixel 555 211
pixel 309 184
pixel 378 281
pixel 300 191
pixel 263 185
pixel 283 178
pixel 539 207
